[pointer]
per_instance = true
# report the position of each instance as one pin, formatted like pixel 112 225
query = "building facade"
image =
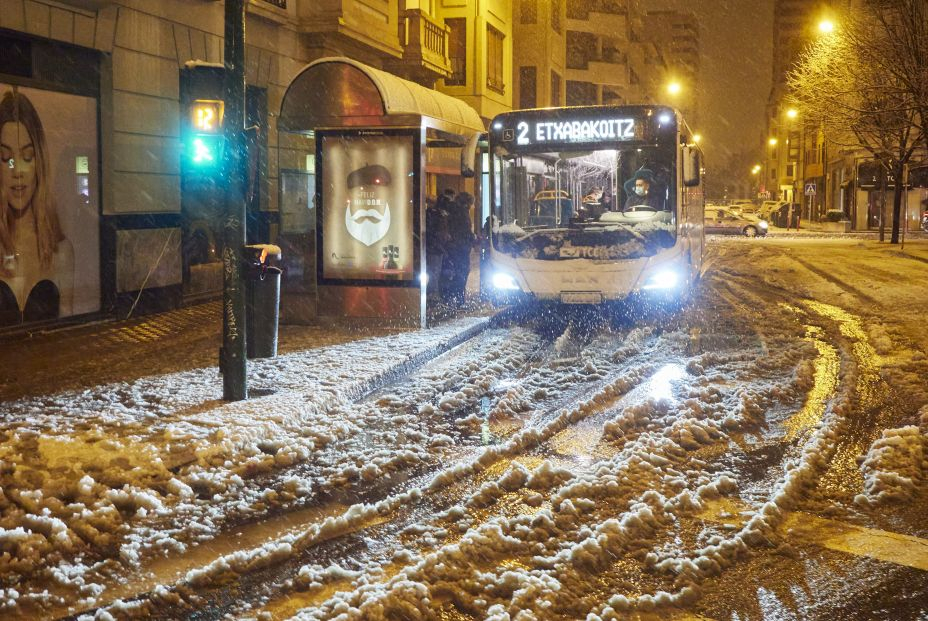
pixel 591 52
pixel 118 85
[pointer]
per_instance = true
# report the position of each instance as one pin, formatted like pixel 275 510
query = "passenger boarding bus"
pixel 591 204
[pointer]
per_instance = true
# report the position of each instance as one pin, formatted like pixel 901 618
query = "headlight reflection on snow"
pixel 844 475
pixel 660 386
pixel 824 383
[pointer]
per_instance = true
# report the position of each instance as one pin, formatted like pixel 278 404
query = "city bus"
pixel 593 204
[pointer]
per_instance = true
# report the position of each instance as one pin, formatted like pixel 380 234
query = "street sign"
pixel 810 189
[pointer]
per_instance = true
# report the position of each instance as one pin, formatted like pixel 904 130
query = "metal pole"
pixel 882 202
pixel 905 216
pixel 824 173
pixel 232 355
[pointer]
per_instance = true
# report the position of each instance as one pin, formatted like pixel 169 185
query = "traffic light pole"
pixel 232 355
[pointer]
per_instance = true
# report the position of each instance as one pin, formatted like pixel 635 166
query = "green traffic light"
pixel 205 151
pixel 202 153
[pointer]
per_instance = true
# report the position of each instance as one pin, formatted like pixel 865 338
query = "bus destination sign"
pixel 596 130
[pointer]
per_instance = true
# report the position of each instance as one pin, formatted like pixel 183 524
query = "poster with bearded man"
pixel 367 215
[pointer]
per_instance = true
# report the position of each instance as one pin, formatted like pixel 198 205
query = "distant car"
pixel 744 207
pixel 723 221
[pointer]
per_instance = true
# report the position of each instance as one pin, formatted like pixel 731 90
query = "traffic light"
pixel 204 141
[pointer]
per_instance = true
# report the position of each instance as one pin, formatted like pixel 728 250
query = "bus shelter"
pixel 354 146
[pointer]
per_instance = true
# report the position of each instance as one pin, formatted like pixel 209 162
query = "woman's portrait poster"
pixel 49 205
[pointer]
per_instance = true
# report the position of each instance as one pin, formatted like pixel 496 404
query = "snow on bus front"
pixel 612 236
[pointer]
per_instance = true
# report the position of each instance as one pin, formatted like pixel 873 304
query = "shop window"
pixel 495 79
pixel 457 50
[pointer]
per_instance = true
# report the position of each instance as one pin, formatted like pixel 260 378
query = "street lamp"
pixel 772 142
pixel 696 138
pixel 792 113
pixel 674 88
pixel 826 26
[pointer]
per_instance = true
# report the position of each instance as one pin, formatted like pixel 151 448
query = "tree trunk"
pixel 897 206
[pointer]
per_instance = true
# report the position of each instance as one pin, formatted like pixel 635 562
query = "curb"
pixel 373 384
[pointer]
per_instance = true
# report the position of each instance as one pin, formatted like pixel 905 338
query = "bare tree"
pixel 865 84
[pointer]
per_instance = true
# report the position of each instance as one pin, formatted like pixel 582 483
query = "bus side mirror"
pixel 468 155
pixel 690 167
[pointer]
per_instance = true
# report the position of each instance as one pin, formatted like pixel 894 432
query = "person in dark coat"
pixel 457 256
pixel 436 242
pixel 642 192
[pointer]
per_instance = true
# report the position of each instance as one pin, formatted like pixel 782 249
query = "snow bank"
pixel 895 466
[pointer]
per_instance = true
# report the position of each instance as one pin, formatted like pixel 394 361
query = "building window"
pixel 457 51
pixel 528 94
pixel 555 89
pixel 581 93
pixel 528 10
pixel 495 79
pixel 556 15
pixel 789 170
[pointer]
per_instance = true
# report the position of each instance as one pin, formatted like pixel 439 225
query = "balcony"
pixel 607 74
pixel 425 48
pixel 605 24
pixel 609 69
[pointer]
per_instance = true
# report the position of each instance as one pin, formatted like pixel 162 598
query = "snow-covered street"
pixel 762 454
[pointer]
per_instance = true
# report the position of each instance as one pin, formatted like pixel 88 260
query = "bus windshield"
pixel 604 204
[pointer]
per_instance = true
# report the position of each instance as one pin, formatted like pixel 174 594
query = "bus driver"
pixel 640 194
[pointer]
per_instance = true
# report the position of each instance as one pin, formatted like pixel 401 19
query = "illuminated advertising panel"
pixel 367 207
pixel 49 205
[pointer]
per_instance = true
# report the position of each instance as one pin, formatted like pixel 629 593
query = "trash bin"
pixel 262 300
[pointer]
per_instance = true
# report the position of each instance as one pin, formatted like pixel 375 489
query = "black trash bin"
pixel 262 300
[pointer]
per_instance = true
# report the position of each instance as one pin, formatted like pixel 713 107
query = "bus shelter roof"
pixel 341 92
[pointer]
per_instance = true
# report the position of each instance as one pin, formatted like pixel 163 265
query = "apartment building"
pixel 585 52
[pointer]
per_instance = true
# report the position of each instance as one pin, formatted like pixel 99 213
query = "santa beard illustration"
pixel 368 226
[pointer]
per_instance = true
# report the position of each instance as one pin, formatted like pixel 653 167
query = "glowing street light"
pixel 792 113
pixel 697 138
pixel 674 88
pixel 826 26
pixel 772 142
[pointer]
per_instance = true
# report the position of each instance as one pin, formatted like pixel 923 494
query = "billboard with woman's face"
pixel 367 207
pixel 49 216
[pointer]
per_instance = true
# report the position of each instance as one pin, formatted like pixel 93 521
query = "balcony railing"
pixel 608 57
pixel 425 42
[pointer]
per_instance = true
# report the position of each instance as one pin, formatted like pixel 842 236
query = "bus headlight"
pixel 502 280
pixel 664 279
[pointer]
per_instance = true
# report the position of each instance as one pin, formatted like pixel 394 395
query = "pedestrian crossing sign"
pixel 810 189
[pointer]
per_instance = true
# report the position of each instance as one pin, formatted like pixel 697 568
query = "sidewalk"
pixel 82 357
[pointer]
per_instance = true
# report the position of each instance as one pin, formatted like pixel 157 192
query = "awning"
pixel 341 92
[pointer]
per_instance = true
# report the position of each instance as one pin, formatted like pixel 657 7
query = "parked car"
pixel 724 221
pixel 746 207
